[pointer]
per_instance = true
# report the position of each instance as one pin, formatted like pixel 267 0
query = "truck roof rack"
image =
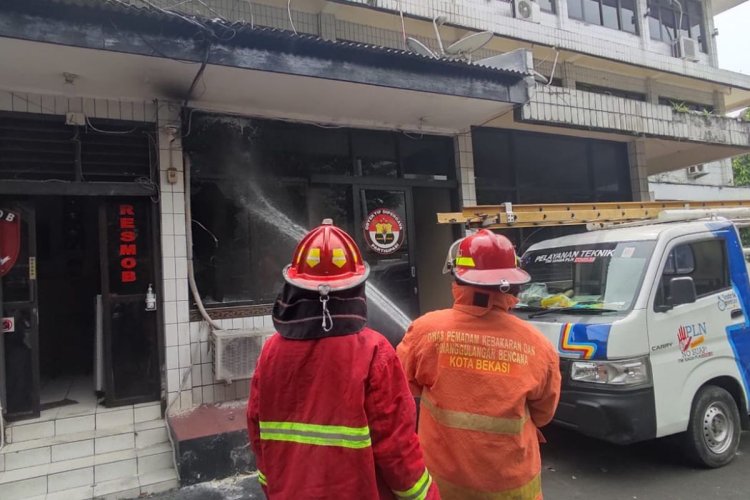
pixel 596 215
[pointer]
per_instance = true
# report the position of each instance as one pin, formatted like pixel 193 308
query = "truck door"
pixel 684 337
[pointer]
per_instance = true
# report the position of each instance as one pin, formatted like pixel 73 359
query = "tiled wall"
pixel 179 356
pixel 465 162
pixel 568 107
pixel 638 170
pixel 26 102
pixel 189 360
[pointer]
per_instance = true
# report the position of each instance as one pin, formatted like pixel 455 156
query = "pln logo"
pixel 691 340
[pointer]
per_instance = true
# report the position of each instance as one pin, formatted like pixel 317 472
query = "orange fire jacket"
pixel 487 382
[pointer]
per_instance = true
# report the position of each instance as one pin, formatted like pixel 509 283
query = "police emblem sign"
pixel 384 231
pixel 10 240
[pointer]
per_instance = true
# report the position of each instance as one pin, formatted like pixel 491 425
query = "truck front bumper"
pixel 620 416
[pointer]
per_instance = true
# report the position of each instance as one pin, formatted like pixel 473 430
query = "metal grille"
pixel 36 147
pixel 236 352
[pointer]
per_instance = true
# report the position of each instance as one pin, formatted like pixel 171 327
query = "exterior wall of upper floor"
pixel 717 173
pixel 378 22
pixel 623 25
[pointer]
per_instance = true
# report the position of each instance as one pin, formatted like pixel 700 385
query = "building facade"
pixel 712 181
pixel 131 129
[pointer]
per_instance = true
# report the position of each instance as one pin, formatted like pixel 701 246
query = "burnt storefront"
pixel 258 185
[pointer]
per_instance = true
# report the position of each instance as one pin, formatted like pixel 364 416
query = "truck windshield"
pixel 603 276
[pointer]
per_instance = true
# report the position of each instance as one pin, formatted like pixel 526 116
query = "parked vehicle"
pixel 653 329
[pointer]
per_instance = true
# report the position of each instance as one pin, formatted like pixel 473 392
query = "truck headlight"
pixel 621 372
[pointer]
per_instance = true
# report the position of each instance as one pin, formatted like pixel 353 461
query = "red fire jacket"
pixel 334 418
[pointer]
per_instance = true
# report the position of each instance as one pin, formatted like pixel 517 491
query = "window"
pixel 426 157
pixel 703 261
pixel 560 161
pixel 493 167
pixel 547 5
pixel 602 275
pixel 374 153
pixel 596 89
pixel 526 167
pixel 615 14
pixel 668 19
pixel 254 192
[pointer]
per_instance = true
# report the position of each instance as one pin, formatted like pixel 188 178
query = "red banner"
pixel 10 240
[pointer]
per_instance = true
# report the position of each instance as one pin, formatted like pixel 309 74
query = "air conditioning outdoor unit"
pixel 236 352
pixel 696 171
pixel 528 10
pixel 688 48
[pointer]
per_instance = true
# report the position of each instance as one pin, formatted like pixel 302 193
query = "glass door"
pixel 19 338
pixel 131 340
pixel 387 243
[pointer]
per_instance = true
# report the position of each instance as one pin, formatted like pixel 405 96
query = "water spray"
pixel 189 242
pixel 262 207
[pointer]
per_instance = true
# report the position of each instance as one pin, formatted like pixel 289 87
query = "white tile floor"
pixel 75 388
pixel 83 450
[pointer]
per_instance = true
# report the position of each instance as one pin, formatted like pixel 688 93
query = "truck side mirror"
pixel 683 291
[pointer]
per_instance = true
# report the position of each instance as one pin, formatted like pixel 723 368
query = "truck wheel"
pixel 713 433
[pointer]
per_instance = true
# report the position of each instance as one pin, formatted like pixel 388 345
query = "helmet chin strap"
pixel 327 324
pixel 504 286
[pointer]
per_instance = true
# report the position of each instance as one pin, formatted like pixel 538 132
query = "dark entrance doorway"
pixel 81 333
pixel 79 193
pixel 68 284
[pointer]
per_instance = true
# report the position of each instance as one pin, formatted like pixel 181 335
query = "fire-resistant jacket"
pixel 487 382
pixel 333 417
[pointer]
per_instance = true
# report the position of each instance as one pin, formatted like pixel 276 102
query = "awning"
pixel 121 51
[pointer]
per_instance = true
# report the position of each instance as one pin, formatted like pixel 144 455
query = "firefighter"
pixel 330 414
pixel 486 379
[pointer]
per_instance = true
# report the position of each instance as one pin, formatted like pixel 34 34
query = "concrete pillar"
pixel 652 94
pixel 561 8
pixel 641 8
pixel 719 103
pixel 327 26
pixel 708 22
pixel 465 166
pixel 638 170
pixel 174 252
pixel 567 73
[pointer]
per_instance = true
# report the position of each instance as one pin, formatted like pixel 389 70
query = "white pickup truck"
pixel 652 323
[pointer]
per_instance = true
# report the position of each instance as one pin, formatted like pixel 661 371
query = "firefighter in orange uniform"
pixel 330 414
pixel 487 379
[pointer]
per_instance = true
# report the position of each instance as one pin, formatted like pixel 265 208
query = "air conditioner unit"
pixel 688 48
pixel 696 171
pixel 528 10
pixel 236 352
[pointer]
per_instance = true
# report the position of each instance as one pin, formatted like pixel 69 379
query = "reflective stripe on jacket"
pixel 487 381
pixel 334 418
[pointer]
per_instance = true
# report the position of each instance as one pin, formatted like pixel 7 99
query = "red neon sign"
pixel 128 246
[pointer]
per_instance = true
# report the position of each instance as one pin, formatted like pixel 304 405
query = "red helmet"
pixel 327 259
pixel 485 259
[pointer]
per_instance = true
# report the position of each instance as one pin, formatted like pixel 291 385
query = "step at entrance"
pixel 115 453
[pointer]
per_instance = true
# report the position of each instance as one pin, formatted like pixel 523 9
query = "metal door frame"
pixel 357 187
pixel 27 210
pixel 108 298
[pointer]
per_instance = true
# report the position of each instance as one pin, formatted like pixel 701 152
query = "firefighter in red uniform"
pixel 330 413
